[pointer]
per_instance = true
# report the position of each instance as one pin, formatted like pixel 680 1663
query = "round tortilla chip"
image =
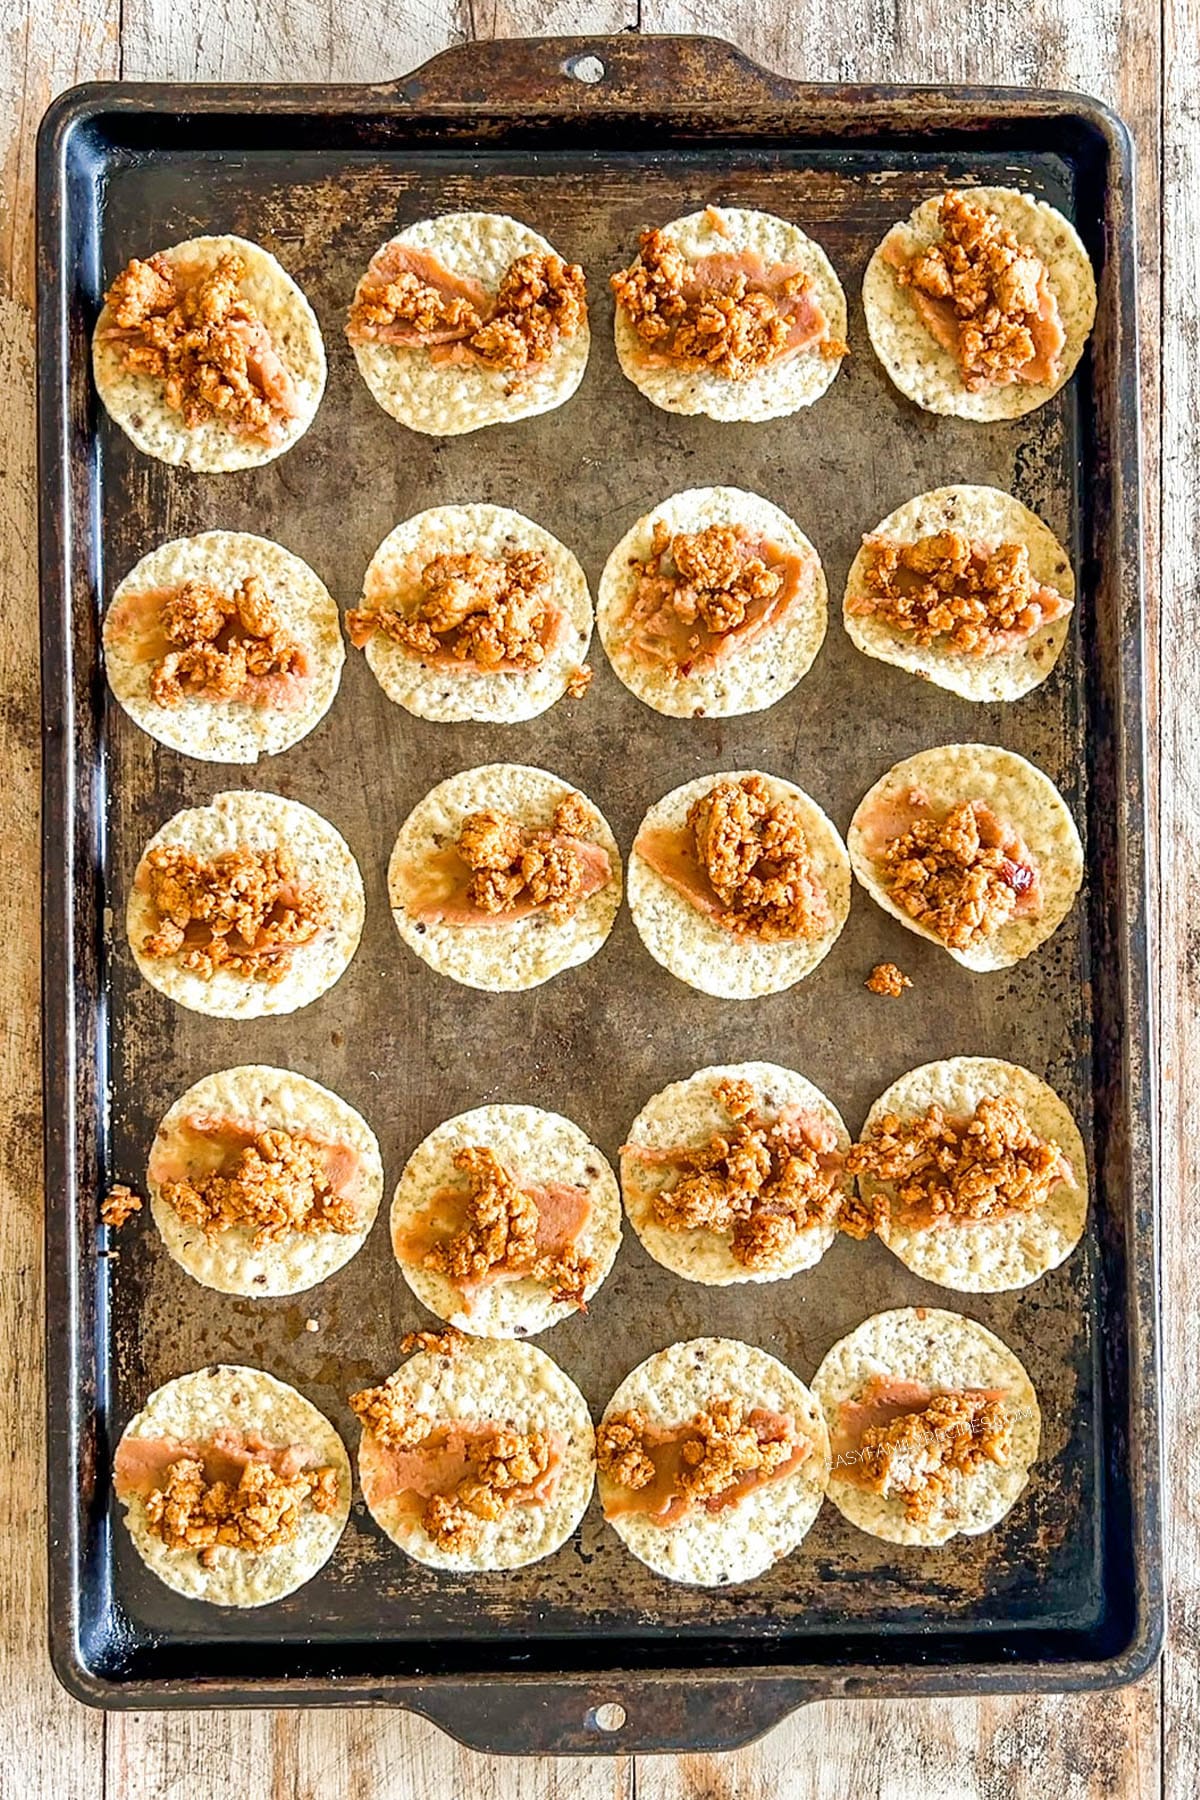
pixel 987 1256
pixel 1021 797
pixel 270 1100
pixel 778 388
pixel 234 731
pixel 687 1112
pixel 256 821
pixel 715 1549
pixel 227 1397
pixel 137 404
pixel 753 677
pixel 484 1381
pixel 927 372
pixel 536 1147
pixel 948 1353
pixel 986 515
pixel 697 950
pixel 449 693
pixel 501 959
pixel 447 399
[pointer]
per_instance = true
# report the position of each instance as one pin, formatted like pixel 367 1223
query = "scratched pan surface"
pixel 1064 1589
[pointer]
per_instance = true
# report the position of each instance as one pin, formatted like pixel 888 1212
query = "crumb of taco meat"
pixel 220 642
pixel 312 1324
pixel 733 327
pixel 953 877
pixel 621 1450
pixel 261 1513
pixel 987 1166
pixel 493 611
pixel 753 848
pixel 993 283
pixel 244 912
pixel 500 1233
pixel 917 1456
pixel 199 336
pixel 945 589
pixel 579 681
pixel 118 1206
pixel 389 1417
pixel 760 1182
pixel 277 1185
pixel 512 864
pixel 435 1343
pixel 718 1449
pixel 888 981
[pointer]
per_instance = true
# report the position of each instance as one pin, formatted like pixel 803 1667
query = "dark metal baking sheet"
pixel 1066 1591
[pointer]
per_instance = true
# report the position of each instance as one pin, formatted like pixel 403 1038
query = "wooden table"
pixel 1142 57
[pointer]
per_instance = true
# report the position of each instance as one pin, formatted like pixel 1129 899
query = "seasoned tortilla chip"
pixel 448 398
pixel 450 693
pixel 136 403
pixel 1021 797
pixel 985 515
pixel 778 388
pixel 929 374
pixel 697 950
pixel 736 1543
pixel 270 1100
pixel 751 677
pixel 195 1408
pixel 948 1353
pixel 987 1256
pixel 686 1113
pixel 500 958
pixel 535 1147
pixel 257 821
pixel 485 1382
pixel 235 731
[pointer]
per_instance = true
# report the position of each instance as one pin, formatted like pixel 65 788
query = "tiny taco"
pixel 235 1488
pixel 965 587
pixel 207 354
pixel 503 876
pixel 973 1173
pixel 247 906
pixel 223 646
pixel 469 320
pixel 506 1220
pixel 713 604
pixel 713 1459
pixel 972 847
pixel 476 1454
pixel 731 313
pixel 933 1426
pixel 736 1174
pixel 738 884
pixel 980 303
pixel 262 1182
pixel 474 612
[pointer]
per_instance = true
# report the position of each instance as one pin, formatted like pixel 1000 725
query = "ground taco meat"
pixel 119 1206
pixel 491 613
pixel 223 645
pixel 407 298
pixel 245 912
pixel 945 589
pixel 698 594
pixel 192 329
pixel 918 1456
pixel 502 1466
pixel 887 980
pixel 986 296
pixel 512 865
pixel 712 1461
pixel 760 1182
pixel 943 1170
pixel 260 1513
pixel 753 850
pixel 275 1185
pixel 499 1235
pixel 727 313
pixel 963 877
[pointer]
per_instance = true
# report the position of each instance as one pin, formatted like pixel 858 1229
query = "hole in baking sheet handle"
pixel 588 69
pixel 608 1717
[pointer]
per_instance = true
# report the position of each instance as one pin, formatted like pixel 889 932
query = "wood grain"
pixel 1104 1745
